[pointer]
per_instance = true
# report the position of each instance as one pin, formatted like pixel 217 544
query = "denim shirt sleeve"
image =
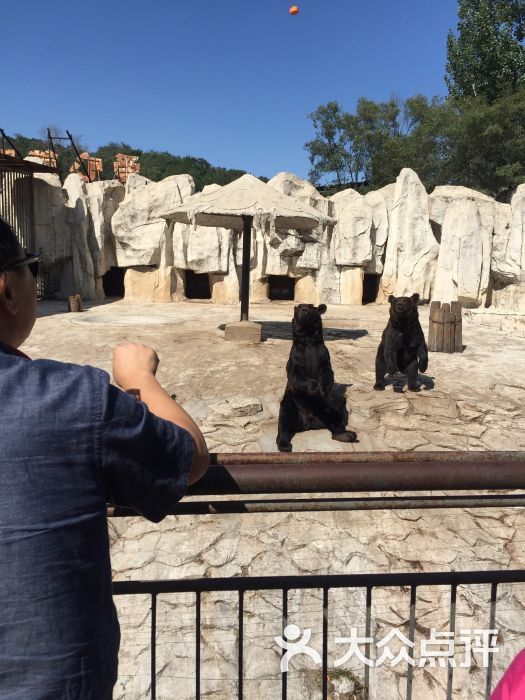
pixel 146 459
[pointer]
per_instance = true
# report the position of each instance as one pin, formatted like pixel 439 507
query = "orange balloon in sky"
pixel 294 10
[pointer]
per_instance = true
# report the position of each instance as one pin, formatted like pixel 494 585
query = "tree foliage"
pixel 488 144
pixel 329 151
pixel 380 139
pixel 65 152
pixel 446 141
pixel 486 58
pixel 155 165
pixel 419 141
pixel 344 142
pixel 475 137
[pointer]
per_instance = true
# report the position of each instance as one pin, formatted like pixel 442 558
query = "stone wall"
pixel 454 244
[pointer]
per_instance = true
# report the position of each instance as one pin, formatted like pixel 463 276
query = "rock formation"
pixel 77 216
pixel 463 268
pixel 138 227
pixel 411 250
pixel 455 243
pixel 103 200
pixel 511 254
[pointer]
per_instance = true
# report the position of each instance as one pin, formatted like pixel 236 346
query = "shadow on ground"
pixel 282 330
pixel 54 307
pixel 399 381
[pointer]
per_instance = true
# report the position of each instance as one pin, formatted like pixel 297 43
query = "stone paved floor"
pixel 469 401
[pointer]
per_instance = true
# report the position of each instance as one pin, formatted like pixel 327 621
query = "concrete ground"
pixel 469 401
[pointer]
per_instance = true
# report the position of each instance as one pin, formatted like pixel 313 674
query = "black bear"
pixel 304 405
pixel 403 347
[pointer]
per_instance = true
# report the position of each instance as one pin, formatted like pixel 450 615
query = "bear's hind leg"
pixel 411 371
pixel 288 416
pixel 335 422
pixel 345 436
pixel 380 372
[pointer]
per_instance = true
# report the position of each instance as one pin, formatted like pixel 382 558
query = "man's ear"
pixel 415 297
pixel 391 298
pixel 8 301
pixel 321 308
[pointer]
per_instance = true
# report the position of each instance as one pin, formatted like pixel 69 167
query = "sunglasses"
pixel 31 260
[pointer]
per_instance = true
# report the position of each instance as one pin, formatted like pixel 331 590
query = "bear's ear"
pixel 415 297
pixel 321 308
pixel 391 298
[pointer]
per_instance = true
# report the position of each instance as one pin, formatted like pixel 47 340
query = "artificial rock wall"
pixel 454 244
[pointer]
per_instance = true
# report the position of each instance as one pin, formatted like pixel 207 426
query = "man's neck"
pixel 11 350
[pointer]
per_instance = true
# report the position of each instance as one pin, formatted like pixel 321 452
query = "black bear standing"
pixel 310 381
pixel 403 347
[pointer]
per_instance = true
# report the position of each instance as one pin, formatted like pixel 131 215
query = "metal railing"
pixel 247 474
pixel 18 209
pixel 17 205
pixel 349 472
pixel 368 582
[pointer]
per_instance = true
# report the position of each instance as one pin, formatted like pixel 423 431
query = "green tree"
pixel 329 151
pixel 487 56
pixel 155 165
pixel 345 143
pixel 376 124
pixel 65 153
pixel 380 139
pixel 108 153
pixel 487 144
pixel 422 142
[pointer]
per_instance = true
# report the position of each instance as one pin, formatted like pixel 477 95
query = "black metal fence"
pixel 18 209
pixel 302 473
pixel 285 584
pixel 17 205
pixel 45 283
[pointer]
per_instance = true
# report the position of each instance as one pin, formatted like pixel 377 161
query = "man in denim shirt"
pixel 68 439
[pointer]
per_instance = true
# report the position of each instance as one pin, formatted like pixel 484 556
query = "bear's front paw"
pixel 423 365
pixel 379 387
pixel 414 388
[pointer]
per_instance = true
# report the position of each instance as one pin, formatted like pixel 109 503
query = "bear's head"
pixel 307 322
pixel 403 308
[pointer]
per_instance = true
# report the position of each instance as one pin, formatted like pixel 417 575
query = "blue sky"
pixel 231 81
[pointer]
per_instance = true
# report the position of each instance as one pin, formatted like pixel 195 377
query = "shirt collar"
pixel 8 350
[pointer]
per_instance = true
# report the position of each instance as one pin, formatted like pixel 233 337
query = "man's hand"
pixel 131 362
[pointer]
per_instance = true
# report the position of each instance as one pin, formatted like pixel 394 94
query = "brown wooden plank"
pixel 456 307
pixel 440 328
pixel 432 326
pixel 449 331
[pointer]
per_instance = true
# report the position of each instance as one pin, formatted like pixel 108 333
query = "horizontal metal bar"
pixel 334 504
pixel 237 458
pixel 351 472
pixel 267 583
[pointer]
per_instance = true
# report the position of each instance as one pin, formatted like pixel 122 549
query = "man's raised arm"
pixel 134 367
